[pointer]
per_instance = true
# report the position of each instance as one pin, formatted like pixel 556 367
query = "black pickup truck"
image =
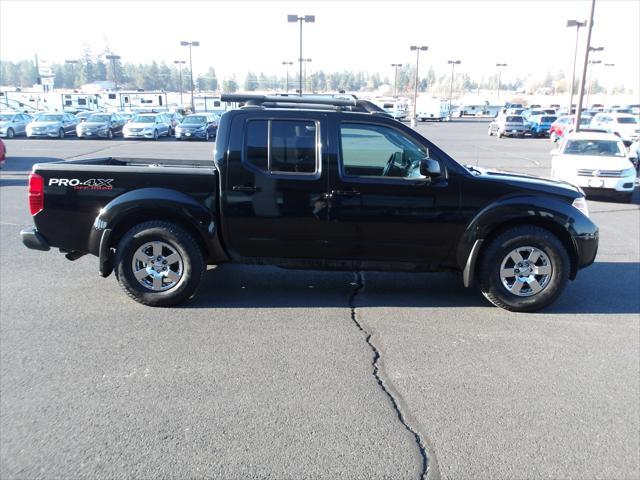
pixel 318 183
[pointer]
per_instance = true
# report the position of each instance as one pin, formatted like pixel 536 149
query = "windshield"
pixel 99 118
pixel 601 148
pixel 50 118
pixel 144 119
pixel 627 120
pixel 195 120
pixel 5 118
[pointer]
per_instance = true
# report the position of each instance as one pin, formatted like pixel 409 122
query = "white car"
pixel 622 124
pixel 147 125
pixel 596 162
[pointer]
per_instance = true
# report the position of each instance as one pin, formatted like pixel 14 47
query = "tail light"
pixel 36 193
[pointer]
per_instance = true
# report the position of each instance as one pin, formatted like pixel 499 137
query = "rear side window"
pixel 282 146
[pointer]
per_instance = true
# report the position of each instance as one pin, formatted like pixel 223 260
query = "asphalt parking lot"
pixel 281 374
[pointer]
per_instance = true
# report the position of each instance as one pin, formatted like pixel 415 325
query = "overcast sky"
pixel 530 36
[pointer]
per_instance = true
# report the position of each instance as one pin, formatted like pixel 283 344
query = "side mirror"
pixel 554 152
pixel 430 168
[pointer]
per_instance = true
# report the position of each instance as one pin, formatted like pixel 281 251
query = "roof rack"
pixel 322 102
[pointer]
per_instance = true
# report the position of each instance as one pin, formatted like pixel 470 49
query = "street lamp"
pixel 453 63
pixel 591 62
pixel 306 61
pixel 414 120
pixel 73 64
pixel 191 44
pixel 395 79
pixel 180 63
pixel 578 25
pixel 306 19
pixel 584 65
pixel 287 77
pixel 114 59
pixel 499 65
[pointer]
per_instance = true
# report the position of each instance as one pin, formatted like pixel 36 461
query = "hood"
pixel 94 124
pixel 45 124
pixel 530 182
pixel 589 162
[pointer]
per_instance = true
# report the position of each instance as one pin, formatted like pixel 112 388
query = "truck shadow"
pixel 605 287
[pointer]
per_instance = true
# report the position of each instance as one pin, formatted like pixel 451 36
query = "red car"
pixel 3 153
pixel 560 125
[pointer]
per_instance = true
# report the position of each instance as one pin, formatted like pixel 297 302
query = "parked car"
pixel 197 125
pixel 126 116
pixel 540 125
pixel 626 126
pixel 147 125
pixel 596 162
pixel 376 196
pixel 12 124
pixel 508 126
pixel 532 112
pixel 83 115
pixel 54 125
pixel 105 125
pixel 564 123
pixel 174 119
pixel 3 154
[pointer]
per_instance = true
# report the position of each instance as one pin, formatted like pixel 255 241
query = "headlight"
pixel 581 204
pixel 628 172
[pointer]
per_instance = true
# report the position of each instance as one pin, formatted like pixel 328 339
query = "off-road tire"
pixel 492 257
pixel 181 241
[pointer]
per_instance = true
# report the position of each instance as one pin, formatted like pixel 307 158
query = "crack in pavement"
pixel 430 469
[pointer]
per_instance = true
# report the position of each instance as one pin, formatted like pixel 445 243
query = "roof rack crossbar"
pixel 251 99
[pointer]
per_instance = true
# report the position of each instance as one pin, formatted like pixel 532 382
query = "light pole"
pixel 453 64
pixel 395 78
pixel 499 65
pixel 306 61
pixel 591 62
pixel 73 64
pixel 114 59
pixel 191 44
pixel 287 75
pixel 584 67
pixel 180 63
pixel 414 120
pixel 578 25
pixel 306 19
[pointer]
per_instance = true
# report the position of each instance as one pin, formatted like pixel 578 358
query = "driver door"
pixel 381 208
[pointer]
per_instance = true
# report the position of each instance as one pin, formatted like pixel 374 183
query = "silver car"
pixel 12 124
pixel 147 125
pixel 509 126
pixel 54 125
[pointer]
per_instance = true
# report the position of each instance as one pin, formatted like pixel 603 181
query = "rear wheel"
pixel 159 264
pixel 524 269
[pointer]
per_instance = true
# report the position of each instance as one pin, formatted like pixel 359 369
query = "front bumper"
pixel 48 134
pixel 191 134
pixel 602 184
pixel 128 134
pixel 93 134
pixel 34 240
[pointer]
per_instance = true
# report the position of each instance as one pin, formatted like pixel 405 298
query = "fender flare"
pixel 150 203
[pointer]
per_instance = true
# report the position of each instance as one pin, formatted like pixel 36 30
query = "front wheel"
pixel 155 135
pixel 10 133
pixel 159 264
pixel 553 137
pixel 61 133
pixel 524 269
pixel 489 132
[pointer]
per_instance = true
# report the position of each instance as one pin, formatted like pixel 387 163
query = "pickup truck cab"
pixel 317 183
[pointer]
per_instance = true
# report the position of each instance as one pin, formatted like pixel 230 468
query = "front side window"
pixel 282 146
pixel 379 151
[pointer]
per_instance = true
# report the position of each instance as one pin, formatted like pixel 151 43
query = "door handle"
pixel 245 188
pixel 344 193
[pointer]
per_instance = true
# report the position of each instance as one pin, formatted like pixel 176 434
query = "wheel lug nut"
pixel 164 262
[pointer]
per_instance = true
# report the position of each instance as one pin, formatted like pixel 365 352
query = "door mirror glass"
pixel 430 168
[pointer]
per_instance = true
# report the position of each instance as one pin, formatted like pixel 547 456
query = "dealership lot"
pixel 266 374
